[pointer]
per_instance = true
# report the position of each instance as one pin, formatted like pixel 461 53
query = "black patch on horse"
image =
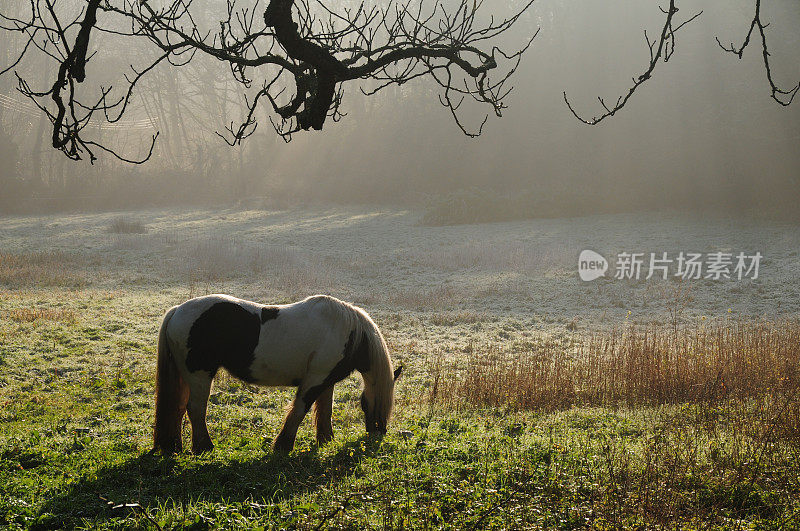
pixel 355 357
pixel 360 354
pixel 268 313
pixel 225 335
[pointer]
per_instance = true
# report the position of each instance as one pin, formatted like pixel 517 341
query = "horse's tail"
pixel 171 395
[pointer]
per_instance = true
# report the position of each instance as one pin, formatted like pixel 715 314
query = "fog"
pixel 702 134
pixel 595 324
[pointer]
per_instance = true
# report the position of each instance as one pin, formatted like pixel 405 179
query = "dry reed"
pixel 632 367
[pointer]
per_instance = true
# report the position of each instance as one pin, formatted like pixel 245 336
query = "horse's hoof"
pixel 282 446
pixel 322 440
pixel 202 448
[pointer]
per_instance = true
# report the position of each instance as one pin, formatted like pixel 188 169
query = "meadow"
pixel 529 399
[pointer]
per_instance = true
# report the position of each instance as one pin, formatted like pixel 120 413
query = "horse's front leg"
pixel 323 410
pixel 284 442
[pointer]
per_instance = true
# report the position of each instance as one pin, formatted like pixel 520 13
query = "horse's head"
pixel 376 403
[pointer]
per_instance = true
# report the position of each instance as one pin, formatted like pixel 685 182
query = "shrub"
pixel 127 226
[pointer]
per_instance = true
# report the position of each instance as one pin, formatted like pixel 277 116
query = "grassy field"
pixel 529 399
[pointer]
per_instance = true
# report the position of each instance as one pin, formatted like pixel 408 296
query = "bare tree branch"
pixel 783 97
pixel 301 55
pixel 308 51
pixel 665 46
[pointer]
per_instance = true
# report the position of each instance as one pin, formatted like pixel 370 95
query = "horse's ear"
pixel 397 372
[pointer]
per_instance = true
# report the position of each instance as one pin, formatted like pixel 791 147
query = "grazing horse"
pixel 311 345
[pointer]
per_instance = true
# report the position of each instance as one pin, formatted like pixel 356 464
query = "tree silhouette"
pixel 304 52
pixel 311 48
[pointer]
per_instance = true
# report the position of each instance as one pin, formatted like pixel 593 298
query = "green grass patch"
pixel 76 420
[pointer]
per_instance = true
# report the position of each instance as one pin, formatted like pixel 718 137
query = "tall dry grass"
pixel 725 457
pixel 43 269
pixel 631 367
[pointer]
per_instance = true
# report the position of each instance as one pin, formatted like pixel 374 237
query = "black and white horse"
pixel 311 344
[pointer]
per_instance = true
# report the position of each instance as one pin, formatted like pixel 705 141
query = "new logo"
pixel 591 265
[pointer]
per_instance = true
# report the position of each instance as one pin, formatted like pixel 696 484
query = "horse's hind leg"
pixel 284 442
pixel 183 399
pixel 199 389
pixel 323 410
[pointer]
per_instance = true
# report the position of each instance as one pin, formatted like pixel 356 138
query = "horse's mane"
pixel 379 378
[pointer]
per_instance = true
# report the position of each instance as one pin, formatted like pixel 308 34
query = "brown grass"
pixel 632 367
pixel 29 315
pixel 40 269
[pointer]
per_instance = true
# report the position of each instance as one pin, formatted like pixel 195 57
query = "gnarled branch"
pixel 302 44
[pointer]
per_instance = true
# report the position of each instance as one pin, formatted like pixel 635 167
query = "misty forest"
pixel 529 264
